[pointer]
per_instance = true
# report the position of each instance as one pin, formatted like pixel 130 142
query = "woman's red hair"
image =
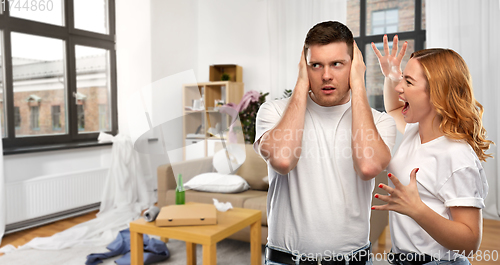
pixel 451 93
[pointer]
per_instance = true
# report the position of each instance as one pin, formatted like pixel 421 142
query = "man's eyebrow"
pixel 334 61
pixel 409 77
pixel 339 61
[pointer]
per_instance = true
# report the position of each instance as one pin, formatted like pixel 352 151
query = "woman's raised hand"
pixel 390 63
pixel 401 199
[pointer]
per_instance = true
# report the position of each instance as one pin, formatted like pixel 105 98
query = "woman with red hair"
pixel 435 214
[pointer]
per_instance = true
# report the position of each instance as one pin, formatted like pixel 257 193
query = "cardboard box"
pixel 187 214
pixel 234 71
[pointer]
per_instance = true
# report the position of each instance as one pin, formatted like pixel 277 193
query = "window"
pixel 81 117
pixel 34 118
pixel 384 21
pixel 17 118
pixel 59 64
pixel 103 117
pixel 56 118
pixel 370 20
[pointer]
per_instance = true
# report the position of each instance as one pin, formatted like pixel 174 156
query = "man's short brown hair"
pixel 328 32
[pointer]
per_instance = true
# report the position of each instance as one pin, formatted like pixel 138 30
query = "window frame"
pixel 72 37
pixel 418 34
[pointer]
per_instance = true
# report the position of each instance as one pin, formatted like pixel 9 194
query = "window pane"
pixel 398 15
pixel 374 76
pixel 46 11
pixel 39 83
pixel 378 30
pixel 2 100
pixel 93 89
pixel 56 118
pixel 17 118
pixel 353 16
pixel 34 118
pixel 92 15
pixel 391 29
pixel 378 18
pixel 80 117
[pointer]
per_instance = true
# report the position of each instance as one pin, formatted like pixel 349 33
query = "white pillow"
pixel 216 182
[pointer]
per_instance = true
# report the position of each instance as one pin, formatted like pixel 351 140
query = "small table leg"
pixel 255 243
pixel 191 253
pixel 136 248
pixel 210 254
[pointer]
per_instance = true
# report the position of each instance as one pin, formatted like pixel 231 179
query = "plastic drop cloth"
pixel 125 195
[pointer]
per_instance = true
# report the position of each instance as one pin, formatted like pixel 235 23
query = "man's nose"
pixel 327 74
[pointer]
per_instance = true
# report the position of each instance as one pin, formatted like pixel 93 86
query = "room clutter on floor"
pixel 125 195
pixel 154 250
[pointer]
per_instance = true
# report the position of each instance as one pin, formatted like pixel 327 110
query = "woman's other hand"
pixel 390 64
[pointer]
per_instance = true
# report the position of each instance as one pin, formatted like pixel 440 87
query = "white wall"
pixel 133 42
pixel 174 37
pixel 192 35
pixel 235 32
pixel 174 41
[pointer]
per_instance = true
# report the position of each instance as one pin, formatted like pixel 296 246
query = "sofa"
pixel 253 170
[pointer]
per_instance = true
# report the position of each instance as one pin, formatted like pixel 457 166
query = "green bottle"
pixel 179 191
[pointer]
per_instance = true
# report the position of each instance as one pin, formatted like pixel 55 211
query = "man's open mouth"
pixel 328 88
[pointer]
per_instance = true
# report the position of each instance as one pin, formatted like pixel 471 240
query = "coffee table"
pixel 228 223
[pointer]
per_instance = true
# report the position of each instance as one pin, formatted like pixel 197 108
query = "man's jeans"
pixel 268 262
pixel 458 261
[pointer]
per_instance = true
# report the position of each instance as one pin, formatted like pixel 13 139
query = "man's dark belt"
pixel 359 258
pixel 410 258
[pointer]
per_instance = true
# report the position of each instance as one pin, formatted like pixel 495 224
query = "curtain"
pixel 471 28
pixel 288 23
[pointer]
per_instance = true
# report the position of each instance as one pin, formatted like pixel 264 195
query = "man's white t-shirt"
pixel 321 207
pixel 450 174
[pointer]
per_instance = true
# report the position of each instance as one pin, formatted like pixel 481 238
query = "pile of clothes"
pixel 154 250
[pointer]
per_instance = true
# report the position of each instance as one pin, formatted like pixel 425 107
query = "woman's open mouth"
pixel 405 108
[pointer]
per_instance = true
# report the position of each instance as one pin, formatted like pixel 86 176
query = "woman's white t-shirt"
pixel 450 174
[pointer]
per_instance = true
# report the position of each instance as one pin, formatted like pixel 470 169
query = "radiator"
pixel 49 195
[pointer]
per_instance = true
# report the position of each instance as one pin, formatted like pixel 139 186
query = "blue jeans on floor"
pixel 268 262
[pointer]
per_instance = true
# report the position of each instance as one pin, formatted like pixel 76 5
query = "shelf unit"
pixel 196 122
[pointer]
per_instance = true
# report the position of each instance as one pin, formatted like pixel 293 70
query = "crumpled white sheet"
pixel 125 195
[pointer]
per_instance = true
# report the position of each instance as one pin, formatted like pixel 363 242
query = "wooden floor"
pixel 489 245
pixel 23 237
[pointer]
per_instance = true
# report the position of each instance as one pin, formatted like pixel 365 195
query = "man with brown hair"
pixel 324 145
